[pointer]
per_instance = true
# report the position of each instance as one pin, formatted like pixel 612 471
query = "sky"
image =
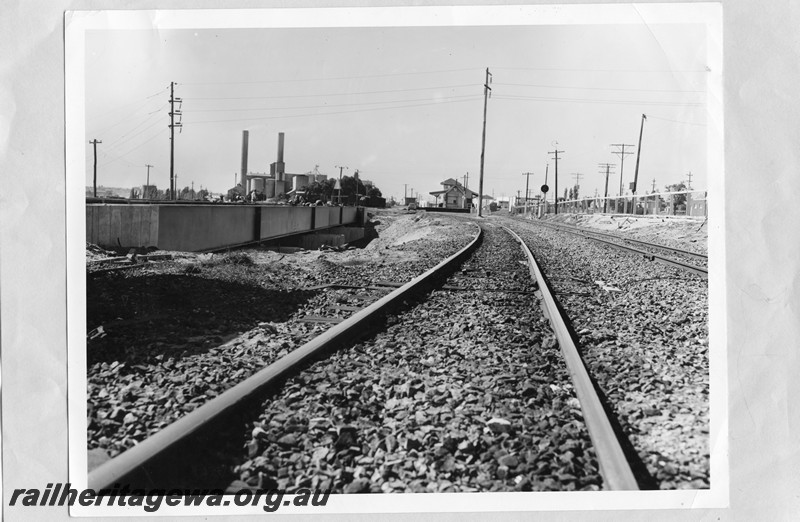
pixel 403 105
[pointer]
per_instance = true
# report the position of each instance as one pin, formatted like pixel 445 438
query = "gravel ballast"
pixel 643 331
pixel 166 337
pixel 466 391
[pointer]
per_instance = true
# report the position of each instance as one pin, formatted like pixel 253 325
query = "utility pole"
pixel 405 192
pixel 621 153
pixel 689 183
pixel 605 201
pixel 340 181
pixel 638 154
pixel 486 91
pixel 95 142
pixel 527 183
pixel 578 177
pixel 516 203
pixel 466 180
pixel 172 113
pixel 654 184
pixel 556 176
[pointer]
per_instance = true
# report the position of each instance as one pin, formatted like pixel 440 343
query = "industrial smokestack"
pixel 279 167
pixel 245 138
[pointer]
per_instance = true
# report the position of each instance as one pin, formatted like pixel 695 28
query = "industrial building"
pixel 277 181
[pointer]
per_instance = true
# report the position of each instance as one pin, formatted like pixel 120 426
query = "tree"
pixel 374 191
pixel 678 199
pixel 320 190
pixel 202 194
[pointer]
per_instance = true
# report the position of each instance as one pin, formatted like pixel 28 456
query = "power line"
pixel 596 88
pixel 328 94
pixel 120 140
pixel 327 105
pixel 599 70
pixel 333 113
pixel 678 121
pixel 408 73
pixel 127 119
pixel 159 133
pixel 141 101
pixel 591 100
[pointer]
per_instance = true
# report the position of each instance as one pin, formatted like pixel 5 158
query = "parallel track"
pixel 613 241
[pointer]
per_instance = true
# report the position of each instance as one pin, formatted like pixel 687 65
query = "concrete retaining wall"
pixel 349 215
pixel 194 228
pixel 278 221
pixel 198 227
pixel 327 216
pixel 122 225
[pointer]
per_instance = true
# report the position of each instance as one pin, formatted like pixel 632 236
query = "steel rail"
pixel 696 270
pixel 702 257
pixel 116 469
pixel 614 466
pixel 695 255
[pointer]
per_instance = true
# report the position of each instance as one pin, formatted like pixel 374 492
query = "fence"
pixel 687 203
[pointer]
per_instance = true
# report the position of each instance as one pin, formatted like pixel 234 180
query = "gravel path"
pixel 643 331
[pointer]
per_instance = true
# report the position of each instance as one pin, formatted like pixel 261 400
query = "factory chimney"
pixel 243 178
pixel 280 164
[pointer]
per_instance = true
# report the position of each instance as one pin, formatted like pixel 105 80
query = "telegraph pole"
pixel 466 179
pixel 638 153
pixel 172 113
pixel 405 192
pixel 605 201
pixel 621 153
pixel 95 142
pixel 689 183
pixel 486 91
pixel 556 177
pixel 527 182
pixel 654 184
pixel 340 181
pixel 578 177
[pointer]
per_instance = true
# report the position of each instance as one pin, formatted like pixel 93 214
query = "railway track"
pixel 688 261
pixel 472 388
pixel 643 331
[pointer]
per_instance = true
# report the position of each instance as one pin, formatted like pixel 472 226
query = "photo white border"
pixel 709 14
